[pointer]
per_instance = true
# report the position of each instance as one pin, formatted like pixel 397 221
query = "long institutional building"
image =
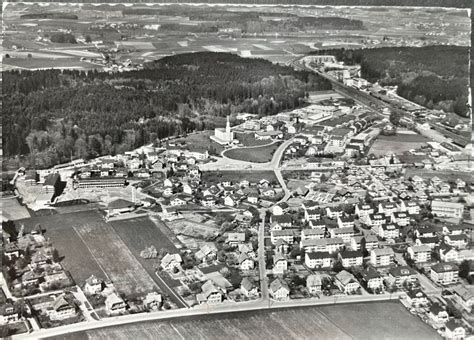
pixel 101 182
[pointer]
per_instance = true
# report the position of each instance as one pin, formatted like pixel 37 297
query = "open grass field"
pixel 12 209
pixel 259 154
pixel 444 175
pixel 359 321
pixel 237 176
pixel 113 255
pixel 66 62
pixel 397 144
pixel 202 140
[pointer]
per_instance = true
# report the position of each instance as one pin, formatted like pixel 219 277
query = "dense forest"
pixel 418 3
pixel 52 116
pixel 49 15
pixel 432 76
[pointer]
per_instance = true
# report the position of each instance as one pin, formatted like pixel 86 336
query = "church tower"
pixel 227 130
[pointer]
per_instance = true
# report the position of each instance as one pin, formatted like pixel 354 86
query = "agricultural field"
pixel 113 255
pixel 444 175
pixel 237 176
pixel 357 321
pixel 259 154
pixel 397 144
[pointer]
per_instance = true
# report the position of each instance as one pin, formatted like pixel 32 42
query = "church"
pixel 223 136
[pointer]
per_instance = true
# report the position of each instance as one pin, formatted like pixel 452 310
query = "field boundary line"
pixel 93 256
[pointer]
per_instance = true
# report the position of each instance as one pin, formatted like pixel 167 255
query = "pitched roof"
pixel 345 277
pixel 278 284
pixel 120 204
pixel 444 267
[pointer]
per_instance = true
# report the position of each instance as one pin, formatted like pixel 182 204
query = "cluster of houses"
pixel 35 266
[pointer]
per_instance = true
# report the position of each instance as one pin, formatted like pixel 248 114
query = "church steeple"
pixel 227 127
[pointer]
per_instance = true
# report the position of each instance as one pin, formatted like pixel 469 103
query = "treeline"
pixel 52 15
pixel 432 76
pixel 63 38
pixel 52 116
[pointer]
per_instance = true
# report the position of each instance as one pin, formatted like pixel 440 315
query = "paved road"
pixel 261 257
pixel 202 310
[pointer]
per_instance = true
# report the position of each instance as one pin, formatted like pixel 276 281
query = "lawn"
pixel 202 140
pixel 259 154
pixel 248 139
pixel 358 321
pixel 139 233
pixel 114 257
pixel 237 176
pixel 76 257
pixel 397 144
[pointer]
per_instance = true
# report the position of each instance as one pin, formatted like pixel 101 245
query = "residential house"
pixel 279 289
pixel 372 278
pixel 444 273
pixel 346 282
pixel 280 208
pixel 447 209
pixel 375 220
pixel 431 242
pixel 8 314
pixel 281 246
pixel 234 239
pixel 210 294
pixel 454 330
pixel 412 207
pixel 438 314
pixel 245 262
pixel 419 254
pixel 370 242
pixel 61 309
pixel 283 220
pixel 93 285
pixel 318 260
pixel 457 241
pixel 464 295
pixel 402 275
pixel 351 258
pixel 387 231
pixel 381 257
pixel 207 253
pixel 334 212
pixel 171 261
pixel 313 284
pixel 11 250
pixel 280 263
pixel 356 242
pixel 153 301
pixel 447 253
pixel 208 201
pixel 308 234
pixel 387 208
pixel 249 288
pixel 287 235
pixel 330 245
pixel 401 218
pixel 417 298
pixel 345 233
pixel 363 210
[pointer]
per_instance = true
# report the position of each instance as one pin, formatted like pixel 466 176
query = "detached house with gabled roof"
pixel 372 278
pixel 363 210
pixel 346 282
pixel 249 288
pixel 457 241
pixel 454 330
pixel 210 294
pixel 438 314
pixel 280 263
pixel 284 220
pixel 447 253
pixel 279 290
pixel 313 284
